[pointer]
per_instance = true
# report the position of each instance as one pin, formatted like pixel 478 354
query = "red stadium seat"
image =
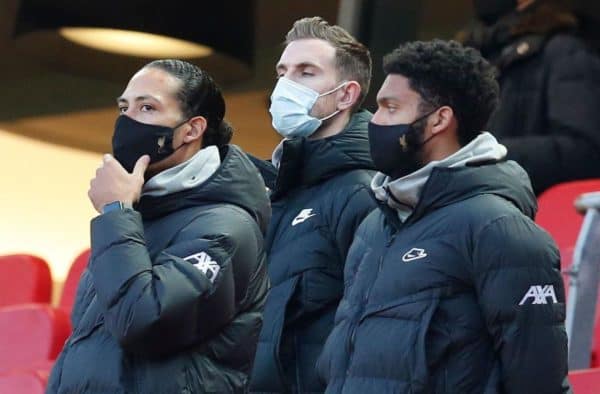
pixel 585 381
pixel 556 214
pixel 31 336
pixel 67 298
pixel 24 279
pixel 23 382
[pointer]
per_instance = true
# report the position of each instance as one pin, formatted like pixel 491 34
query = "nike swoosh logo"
pixel 302 219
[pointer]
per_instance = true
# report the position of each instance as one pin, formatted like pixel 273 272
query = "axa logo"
pixel 206 264
pixel 414 254
pixel 540 295
pixel 303 216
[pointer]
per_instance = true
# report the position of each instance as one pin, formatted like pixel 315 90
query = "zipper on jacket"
pixel 390 241
pixel 354 323
pixel 356 320
pixel 300 387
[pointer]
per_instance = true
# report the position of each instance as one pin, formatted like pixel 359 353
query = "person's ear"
pixel 196 130
pixel 349 95
pixel 442 119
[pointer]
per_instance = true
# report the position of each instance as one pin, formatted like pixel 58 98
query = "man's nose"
pixel 377 118
pixel 129 112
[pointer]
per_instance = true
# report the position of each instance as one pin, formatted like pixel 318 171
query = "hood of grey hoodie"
pixel 403 194
pixel 187 175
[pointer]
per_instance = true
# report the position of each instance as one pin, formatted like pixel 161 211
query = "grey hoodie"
pixel 406 191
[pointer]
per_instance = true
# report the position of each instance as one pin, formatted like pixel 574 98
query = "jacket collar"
pixel 505 179
pixel 236 181
pixel 184 176
pixel 404 193
pixel 304 162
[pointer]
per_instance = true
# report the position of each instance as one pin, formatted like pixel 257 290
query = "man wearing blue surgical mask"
pixel 319 187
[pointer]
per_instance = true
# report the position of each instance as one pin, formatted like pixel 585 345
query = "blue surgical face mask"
pixel 291 104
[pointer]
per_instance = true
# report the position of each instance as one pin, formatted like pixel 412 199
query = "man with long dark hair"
pixel 171 300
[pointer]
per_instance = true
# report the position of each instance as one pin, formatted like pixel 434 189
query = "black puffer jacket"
pixel 172 297
pixel 549 117
pixel 320 197
pixel 464 297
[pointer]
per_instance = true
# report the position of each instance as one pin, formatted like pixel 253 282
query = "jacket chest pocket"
pixel 418 269
pixel 390 341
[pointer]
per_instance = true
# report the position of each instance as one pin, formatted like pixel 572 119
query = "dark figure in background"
pixel 549 113
pixel 172 298
pixel 320 177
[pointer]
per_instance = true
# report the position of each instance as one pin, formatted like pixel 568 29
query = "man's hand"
pixel 114 183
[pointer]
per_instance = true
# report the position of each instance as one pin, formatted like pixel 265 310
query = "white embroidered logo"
pixel 414 254
pixel 540 295
pixel 206 264
pixel 304 215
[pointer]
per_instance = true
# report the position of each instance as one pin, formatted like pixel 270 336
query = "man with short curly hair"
pixel 449 286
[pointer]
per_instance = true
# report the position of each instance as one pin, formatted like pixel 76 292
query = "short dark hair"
pixel 447 73
pixel 352 59
pixel 199 95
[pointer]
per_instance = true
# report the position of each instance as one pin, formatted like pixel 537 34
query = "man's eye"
pixel 146 108
pixel 307 74
pixel 122 109
pixel 392 109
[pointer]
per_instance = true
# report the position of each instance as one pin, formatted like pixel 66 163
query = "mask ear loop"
pixel 167 139
pixel 330 116
pixel 405 146
pixel 334 89
pixel 328 93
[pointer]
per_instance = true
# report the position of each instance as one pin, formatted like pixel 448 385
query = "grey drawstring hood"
pixel 404 193
pixel 186 175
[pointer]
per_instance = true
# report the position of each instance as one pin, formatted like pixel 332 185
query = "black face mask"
pixel 132 140
pixel 489 11
pixel 395 149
